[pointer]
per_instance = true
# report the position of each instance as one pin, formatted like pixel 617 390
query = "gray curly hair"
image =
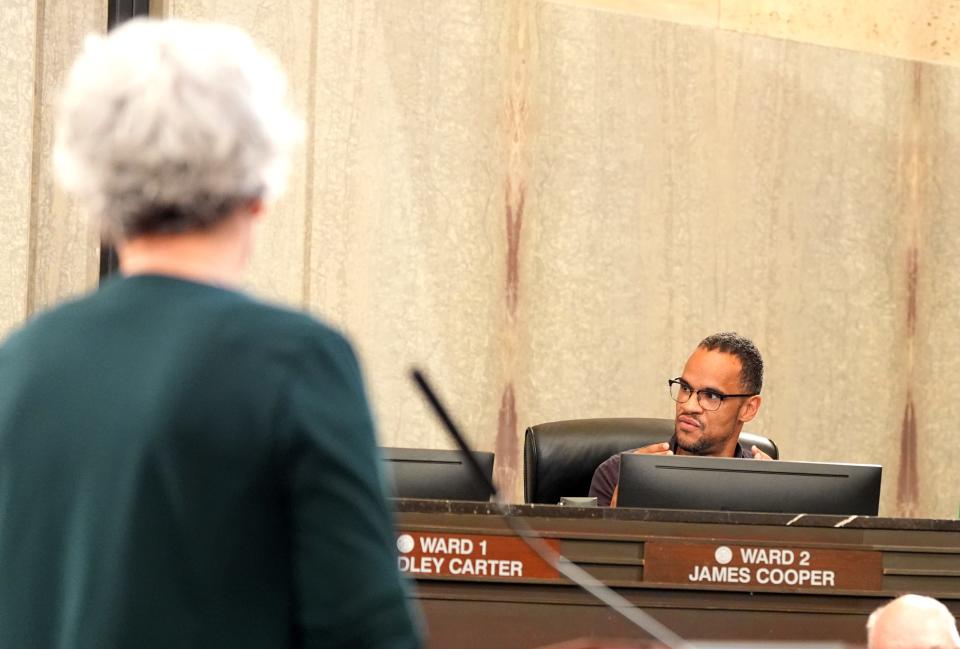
pixel 169 126
pixel 751 363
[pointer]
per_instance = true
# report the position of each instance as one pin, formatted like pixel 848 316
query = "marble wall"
pixel 921 30
pixel 49 250
pixel 546 204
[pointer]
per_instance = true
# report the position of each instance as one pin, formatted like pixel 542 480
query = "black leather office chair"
pixel 559 457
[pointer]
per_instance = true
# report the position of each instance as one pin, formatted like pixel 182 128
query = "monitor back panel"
pixel 727 484
pixel 435 473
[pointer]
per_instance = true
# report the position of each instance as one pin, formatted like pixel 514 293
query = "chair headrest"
pixel 559 457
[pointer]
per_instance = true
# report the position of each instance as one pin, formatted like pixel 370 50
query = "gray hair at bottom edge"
pixel 949 620
pixel 168 126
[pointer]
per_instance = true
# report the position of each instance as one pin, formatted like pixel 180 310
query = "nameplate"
pixel 775 568
pixel 470 556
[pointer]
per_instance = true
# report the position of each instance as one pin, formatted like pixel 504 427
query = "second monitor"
pixel 435 473
pixel 727 484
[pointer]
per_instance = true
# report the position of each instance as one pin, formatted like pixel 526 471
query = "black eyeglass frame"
pixel 720 395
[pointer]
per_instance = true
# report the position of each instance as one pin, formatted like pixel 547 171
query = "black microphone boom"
pixel 441 412
pixel 639 618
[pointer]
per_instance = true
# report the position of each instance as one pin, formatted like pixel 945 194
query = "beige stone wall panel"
pixel 64 244
pixel 407 237
pixel 938 335
pixel 811 197
pixel 924 30
pixel 618 125
pixel 921 30
pixel 547 206
pixel 704 13
pixel 286 30
pixel 18 21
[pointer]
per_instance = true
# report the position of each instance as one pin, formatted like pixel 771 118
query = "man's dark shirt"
pixel 607 475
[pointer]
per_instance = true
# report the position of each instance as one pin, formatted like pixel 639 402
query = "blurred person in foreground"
pixel 912 622
pixel 181 465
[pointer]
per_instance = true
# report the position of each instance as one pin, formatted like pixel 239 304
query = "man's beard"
pixel 699 447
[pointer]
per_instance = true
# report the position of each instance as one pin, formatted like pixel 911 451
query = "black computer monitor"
pixel 435 473
pixel 746 485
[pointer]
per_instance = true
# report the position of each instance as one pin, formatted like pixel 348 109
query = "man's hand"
pixel 758 454
pixel 660 448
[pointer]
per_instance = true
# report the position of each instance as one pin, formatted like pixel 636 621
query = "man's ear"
pixel 749 408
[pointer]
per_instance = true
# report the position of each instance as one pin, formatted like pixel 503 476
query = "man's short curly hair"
pixel 751 363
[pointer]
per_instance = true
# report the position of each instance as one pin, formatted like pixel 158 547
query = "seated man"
pixel 717 393
pixel 912 622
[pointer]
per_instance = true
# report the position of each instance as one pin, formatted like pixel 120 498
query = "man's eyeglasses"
pixel 707 398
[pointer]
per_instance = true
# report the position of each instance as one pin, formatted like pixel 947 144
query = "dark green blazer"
pixel 182 466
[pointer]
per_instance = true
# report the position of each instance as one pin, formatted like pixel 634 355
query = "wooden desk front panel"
pixel 872 564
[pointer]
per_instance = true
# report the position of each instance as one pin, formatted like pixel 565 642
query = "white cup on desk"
pixel 578 501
